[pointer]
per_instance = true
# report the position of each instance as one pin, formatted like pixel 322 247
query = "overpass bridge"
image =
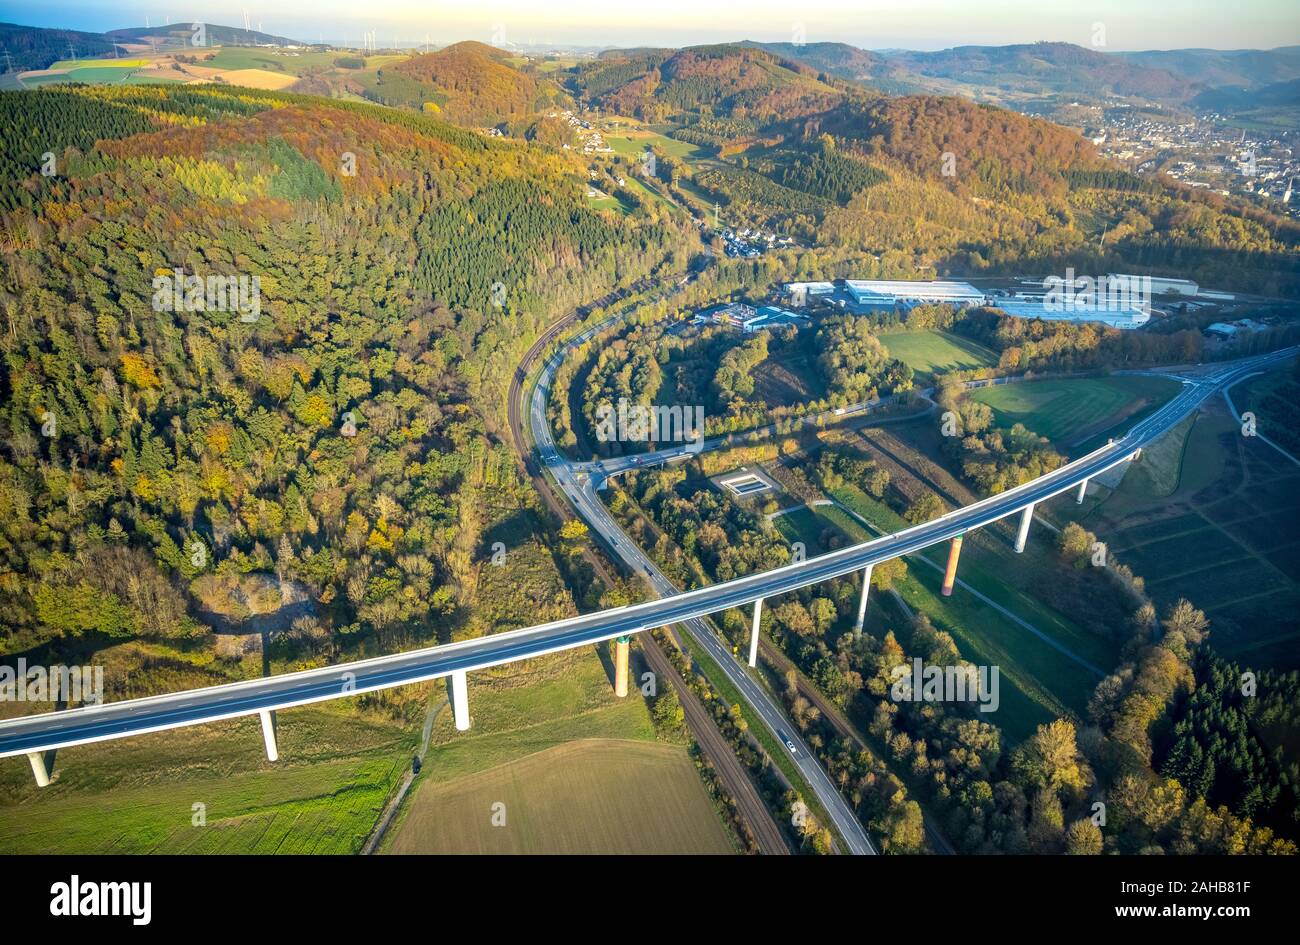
pixel 35 735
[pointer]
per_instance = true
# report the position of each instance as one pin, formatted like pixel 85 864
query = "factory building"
pixel 891 294
pixel 802 293
pixel 1126 314
pixel 1158 285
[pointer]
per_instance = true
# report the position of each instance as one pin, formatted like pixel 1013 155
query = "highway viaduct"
pixel 35 735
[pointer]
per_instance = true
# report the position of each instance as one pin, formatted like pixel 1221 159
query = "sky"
pixel 871 24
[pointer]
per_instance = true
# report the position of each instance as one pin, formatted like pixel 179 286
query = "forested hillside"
pixel 339 434
pixel 837 59
pixel 468 83
pixel 730 80
pixel 30 47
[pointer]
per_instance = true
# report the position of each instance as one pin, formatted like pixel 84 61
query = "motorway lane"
pixel 837 719
pixel 845 822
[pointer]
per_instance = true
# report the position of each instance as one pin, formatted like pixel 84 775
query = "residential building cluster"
pixel 747 243
pixel 1207 153
pixel 590 140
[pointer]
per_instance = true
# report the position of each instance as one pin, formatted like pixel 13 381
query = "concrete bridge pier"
pixel 1022 536
pixel 620 665
pixel 753 633
pixel 862 601
pixel 268 735
pixel 459 687
pixel 42 773
pixel 1083 490
pixel 950 575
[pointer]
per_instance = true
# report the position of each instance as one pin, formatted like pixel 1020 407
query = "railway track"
pixel 772 655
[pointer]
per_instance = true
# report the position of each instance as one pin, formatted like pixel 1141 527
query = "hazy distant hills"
pixel 216 35
pixel 1170 77
pixel 1049 68
pixel 475 83
pixel 1227 100
pixel 34 47
pixel 755 84
pixel 1027 69
pixel 1242 68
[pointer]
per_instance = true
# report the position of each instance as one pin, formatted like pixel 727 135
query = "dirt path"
pixel 395 803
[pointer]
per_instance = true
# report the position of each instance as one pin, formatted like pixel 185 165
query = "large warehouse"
pixel 1122 315
pixel 892 293
pixel 1157 284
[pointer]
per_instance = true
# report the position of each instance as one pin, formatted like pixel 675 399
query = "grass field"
pixel 649 193
pixel 336 769
pixel 931 352
pixel 104 75
pixel 586 796
pixel 245 57
pixel 700 197
pixel 608 202
pixel 553 65
pixel 338 766
pixel 518 711
pixel 1209 515
pixel 523 708
pixel 1074 412
pixel 145 78
pixel 637 141
pixel 803 525
pixel 99 63
pixel 238 65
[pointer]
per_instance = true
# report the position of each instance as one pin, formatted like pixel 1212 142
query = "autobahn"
pixel 92 723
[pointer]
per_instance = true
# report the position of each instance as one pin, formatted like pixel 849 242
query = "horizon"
pixel 1110 26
